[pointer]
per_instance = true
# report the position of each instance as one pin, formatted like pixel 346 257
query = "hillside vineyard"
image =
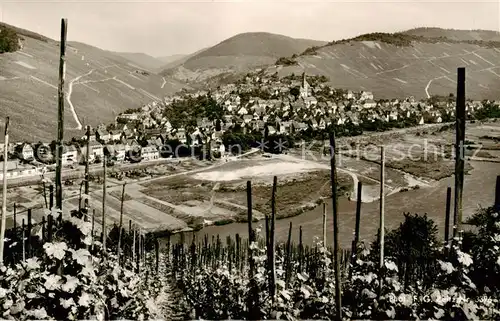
pixel 265 177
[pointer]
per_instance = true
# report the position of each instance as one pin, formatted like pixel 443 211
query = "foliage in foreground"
pixel 69 282
pixel 463 286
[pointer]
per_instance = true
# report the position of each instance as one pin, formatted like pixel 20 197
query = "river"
pixel 479 189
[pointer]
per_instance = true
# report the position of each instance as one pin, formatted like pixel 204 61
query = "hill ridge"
pixel 400 65
pixel 99 85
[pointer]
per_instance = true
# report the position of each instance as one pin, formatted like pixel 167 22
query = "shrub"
pixel 9 40
pixel 284 61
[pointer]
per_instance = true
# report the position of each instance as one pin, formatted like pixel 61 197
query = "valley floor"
pixel 184 194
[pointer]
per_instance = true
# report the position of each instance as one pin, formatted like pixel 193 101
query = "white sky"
pixel 161 28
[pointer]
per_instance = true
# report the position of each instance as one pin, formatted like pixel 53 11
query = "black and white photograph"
pixel 250 160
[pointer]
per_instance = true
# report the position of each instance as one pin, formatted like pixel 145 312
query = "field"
pixel 300 186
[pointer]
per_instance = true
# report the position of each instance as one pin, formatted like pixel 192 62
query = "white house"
pixel 242 111
pixel 120 152
pixel 16 170
pixel 370 103
pixel 70 155
pixel 181 135
pixel 150 152
pixel 25 152
pixel 366 95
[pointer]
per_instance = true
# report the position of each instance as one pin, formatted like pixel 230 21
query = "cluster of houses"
pixel 287 112
pixel 291 105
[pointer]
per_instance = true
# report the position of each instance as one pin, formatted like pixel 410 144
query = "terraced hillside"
pixel 99 85
pixel 421 69
pixel 454 34
pixel 239 54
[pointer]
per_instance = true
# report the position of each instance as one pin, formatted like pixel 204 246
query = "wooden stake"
pixel 447 218
pixel 288 259
pixel 382 206
pixel 30 227
pixel 272 241
pixel 4 191
pixel 324 223
pixel 252 295
pixel 60 113
pixel 87 177
pixel 497 195
pixel 15 218
pixel 45 195
pixel 301 249
pixel 157 254
pixel 93 226
pixel 43 229
pixel 51 196
pixel 133 247
pixel 459 151
pixel 121 223
pixel 336 245
pixel 249 204
pixel 355 242
pixel 358 214
pixel 104 236
pixel 24 240
pixel 50 223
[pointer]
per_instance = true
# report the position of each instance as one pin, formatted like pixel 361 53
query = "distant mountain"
pixel 182 59
pixel 419 62
pixel 455 34
pixel 240 53
pixel 168 59
pixel 142 60
pixel 99 85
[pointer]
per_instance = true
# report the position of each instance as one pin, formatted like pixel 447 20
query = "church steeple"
pixel 304 90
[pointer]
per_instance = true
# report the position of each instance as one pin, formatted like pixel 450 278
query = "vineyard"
pixel 64 272
pixel 75 268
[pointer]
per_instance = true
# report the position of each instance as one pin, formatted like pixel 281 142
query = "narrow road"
pixel 68 98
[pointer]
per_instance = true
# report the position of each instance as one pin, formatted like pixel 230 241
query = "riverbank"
pixel 479 190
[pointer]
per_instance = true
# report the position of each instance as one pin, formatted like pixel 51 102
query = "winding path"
pixel 68 98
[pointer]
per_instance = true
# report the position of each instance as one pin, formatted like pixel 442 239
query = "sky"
pixel 163 28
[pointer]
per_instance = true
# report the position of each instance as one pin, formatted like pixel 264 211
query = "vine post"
pixel 121 224
pixel 497 195
pixel 60 113
pixel 324 223
pixel 447 219
pixel 4 191
pixel 459 151
pixel 355 242
pixel 336 245
pixel 104 204
pixel 382 206
pixel 272 243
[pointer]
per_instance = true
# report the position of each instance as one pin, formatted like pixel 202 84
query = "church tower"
pixel 304 89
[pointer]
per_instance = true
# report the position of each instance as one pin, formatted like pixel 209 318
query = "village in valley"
pixel 234 183
pixel 258 103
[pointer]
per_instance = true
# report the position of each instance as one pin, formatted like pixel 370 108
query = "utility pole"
pixel 4 194
pixel 60 114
